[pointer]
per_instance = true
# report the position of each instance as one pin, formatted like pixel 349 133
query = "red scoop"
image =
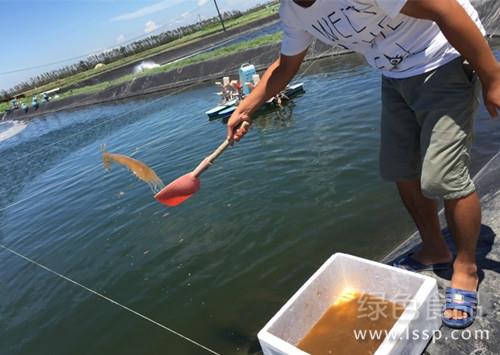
pixel 179 190
pixel 184 187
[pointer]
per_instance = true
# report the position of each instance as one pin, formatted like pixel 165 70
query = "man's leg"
pixel 447 133
pixel 425 215
pixel 443 103
pixel 464 221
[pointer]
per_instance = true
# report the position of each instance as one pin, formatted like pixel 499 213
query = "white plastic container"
pixel 247 71
pixel 409 335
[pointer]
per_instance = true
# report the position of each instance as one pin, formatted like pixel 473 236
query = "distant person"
pixel 14 104
pixel 429 99
pixel 24 107
pixel 34 102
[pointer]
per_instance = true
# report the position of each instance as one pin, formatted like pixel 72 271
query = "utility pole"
pixel 220 16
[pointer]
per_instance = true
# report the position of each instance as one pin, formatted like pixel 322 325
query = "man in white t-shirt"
pixel 429 97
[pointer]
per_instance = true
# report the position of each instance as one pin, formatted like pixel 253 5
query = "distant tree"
pixel 82 66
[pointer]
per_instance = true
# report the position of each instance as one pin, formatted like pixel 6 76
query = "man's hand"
pixel 491 93
pixel 275 79
pixel 235 130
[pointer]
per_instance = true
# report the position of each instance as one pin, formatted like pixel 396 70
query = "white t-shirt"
pixel 398 45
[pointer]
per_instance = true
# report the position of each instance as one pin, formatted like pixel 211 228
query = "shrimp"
pixel 138 168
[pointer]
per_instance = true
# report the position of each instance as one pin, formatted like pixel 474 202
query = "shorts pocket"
pixel 469 72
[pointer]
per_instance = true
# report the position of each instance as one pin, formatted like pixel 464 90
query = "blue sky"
pixel 47 31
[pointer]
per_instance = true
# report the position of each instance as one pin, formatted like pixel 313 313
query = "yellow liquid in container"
pixel 353 314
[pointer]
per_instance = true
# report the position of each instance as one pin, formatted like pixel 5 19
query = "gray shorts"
pixel 427 129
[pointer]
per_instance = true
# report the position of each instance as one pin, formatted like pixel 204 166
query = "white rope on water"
pixel 116 303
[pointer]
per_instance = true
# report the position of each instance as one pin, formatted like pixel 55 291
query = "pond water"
pixel 301 186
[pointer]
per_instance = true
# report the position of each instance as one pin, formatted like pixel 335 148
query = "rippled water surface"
pixel 302 186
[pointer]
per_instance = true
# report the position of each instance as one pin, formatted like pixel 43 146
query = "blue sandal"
pixel 410 264
pixel 461 300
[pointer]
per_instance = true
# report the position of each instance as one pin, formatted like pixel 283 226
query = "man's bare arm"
pixel 464 35
pixel 275 79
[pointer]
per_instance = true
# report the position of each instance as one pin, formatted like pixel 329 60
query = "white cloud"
pixel 150 26
pixel 185 14
pixel 202 2
pixel 120 39
pixel 147 10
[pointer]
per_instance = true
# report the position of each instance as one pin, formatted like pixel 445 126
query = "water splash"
pixel 146 65
pixel 9 129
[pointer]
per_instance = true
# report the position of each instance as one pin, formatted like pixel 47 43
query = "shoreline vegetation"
pixel 69 85
pixel 215 54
